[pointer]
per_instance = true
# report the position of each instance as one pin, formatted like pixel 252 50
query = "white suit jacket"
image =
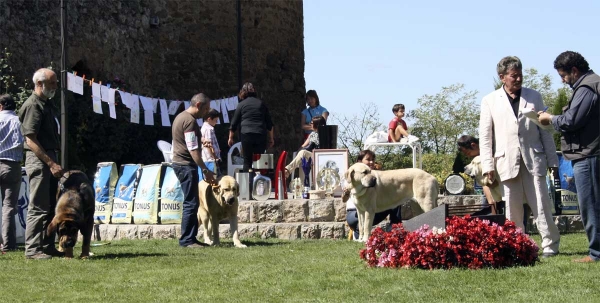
pixel 503 138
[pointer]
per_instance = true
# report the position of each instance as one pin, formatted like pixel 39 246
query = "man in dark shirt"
pixel 40 126
pixel 580 128
pixel 187 157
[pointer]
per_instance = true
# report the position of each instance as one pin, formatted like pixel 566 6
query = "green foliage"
pixel 284 271
pixel 562 99
pixel 352 131
pixel 442 118
pixel 20 91
pixel 440 166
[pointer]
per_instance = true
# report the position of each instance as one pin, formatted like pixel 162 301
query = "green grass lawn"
pixel 283 271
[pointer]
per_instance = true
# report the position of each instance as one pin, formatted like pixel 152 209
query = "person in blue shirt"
pixel 11 154
pixel 314 109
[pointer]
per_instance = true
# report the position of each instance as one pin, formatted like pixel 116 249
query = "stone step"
pixel 325 210
pixel 287 231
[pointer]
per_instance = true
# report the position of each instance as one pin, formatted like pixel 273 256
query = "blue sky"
pixel 389 52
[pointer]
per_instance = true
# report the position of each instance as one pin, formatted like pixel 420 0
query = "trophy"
pixel 328 180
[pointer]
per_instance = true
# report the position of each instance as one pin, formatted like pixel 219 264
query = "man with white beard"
pixel 40 126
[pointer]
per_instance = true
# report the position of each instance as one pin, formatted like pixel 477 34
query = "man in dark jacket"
pixel 579 125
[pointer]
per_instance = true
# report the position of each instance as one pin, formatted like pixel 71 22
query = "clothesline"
pixel 104 93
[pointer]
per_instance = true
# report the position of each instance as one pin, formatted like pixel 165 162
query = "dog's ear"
pixel 216 189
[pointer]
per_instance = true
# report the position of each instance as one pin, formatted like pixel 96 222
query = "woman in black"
pixel 253 120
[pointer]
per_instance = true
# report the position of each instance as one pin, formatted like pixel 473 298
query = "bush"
pixel 466 243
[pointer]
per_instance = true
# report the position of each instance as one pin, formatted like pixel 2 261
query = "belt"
pixel 9 161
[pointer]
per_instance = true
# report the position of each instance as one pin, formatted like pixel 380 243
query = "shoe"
pixel 38 256
pixel 55 253
pixel 194 245
pixel 586 259
pixel 549 254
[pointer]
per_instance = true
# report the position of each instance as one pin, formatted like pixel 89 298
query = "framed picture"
pixel 336 159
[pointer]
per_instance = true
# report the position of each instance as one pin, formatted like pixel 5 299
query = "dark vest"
pixel 584 142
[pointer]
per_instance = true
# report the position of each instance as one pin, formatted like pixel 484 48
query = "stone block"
pixel 163 232
pixel 333 230
pixel 287 231
pixel 266 231
pixel 310 231
pixel 574 224
pixel 269 211
pixel 340 210
pixel 248 230
pixel 321 211
pixel 145 231
pixel 295 210
pixel 244 211
pixel 127 232
pixel 111 232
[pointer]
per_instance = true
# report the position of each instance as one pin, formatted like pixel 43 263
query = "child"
pixel 211 153
pixel 397 128
pixel 311 143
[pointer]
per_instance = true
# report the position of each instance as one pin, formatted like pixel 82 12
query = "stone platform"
pixel 291 220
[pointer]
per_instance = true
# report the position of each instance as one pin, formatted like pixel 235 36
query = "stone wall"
pixel 193 48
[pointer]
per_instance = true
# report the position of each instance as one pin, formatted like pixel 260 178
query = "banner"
pixel 104 185
pixel 568 192
pixel 124 192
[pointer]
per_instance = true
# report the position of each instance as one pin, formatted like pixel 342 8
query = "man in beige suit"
pixel 520 150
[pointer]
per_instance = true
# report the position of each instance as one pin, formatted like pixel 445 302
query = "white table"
pixel 414 146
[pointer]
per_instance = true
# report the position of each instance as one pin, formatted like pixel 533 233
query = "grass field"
pixel 283 271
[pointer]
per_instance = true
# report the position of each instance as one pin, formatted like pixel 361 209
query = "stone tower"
pixel 171 49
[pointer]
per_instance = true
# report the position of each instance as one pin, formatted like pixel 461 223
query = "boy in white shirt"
pixel 211 153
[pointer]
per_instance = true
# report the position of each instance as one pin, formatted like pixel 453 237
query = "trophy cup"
pixel 328 180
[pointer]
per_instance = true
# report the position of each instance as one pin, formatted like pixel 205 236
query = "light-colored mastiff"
pixel 377 191
pixel 217 203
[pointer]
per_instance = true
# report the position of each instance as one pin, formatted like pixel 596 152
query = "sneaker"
pixel 38 256
pixel 194 245
pixel 549 254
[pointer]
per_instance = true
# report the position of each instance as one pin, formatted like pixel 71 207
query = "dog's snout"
pixel 230 200
pixel 372 182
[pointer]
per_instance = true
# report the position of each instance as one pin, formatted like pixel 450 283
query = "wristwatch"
pixel 204 171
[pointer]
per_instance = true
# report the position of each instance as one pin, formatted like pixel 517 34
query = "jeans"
pixel 188 177
pixel 587 182
pixel 352 218
pixel 10 185
pixel 252 144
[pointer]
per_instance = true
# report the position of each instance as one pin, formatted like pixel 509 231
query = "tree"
pixel 541 83
pixel 353 131
pixel 562 99
pixel 442 118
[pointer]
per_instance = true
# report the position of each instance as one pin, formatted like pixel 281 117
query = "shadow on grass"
pixel 126 256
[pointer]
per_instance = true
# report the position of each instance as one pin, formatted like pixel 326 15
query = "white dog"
pixel 377 191
pixel 474 170
pixel 217 203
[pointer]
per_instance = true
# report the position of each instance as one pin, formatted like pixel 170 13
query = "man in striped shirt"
pixel 11 155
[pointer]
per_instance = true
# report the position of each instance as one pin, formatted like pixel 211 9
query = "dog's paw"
pixel 240 245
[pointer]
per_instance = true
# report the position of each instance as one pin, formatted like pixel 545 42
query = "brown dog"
pixel 74 213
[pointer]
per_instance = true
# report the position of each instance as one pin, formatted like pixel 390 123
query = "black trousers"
pixel 252 144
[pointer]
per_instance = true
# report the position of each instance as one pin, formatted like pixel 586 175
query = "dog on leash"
pixel 74 213
pixel 376 191
pixel 217 203
pixel 474 170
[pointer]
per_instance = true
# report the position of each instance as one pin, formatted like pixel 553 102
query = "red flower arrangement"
pixel 466 243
